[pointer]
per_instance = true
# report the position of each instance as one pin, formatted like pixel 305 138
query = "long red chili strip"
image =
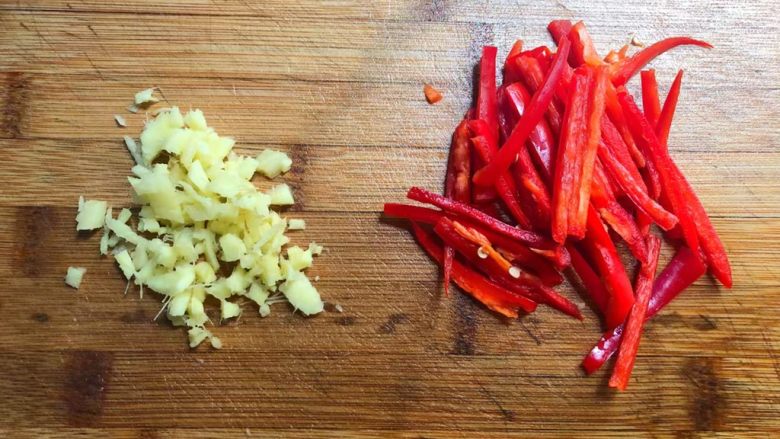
pixel 541 140
pixel 566 161
pixel 615 113
pixel 559 29
pixel 530 70
pixel 590 149
pixel 580 141
pixel 457 184
pixel 602 251
pixel 665 166
pixel 683 270
pixel 485 291
pixel 505 186
pixel 532 239
pixel 535 260
pixel 633 327
pixel 527 258
pixel 628 67
pixel 664 122
pixel 613 213
pixel 650 101
pixel 635 190
pixel 536 109
pixel 524 284
pixel 487 110
pixel 590 279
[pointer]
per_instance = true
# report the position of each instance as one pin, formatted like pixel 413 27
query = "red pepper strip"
pixel 516 49
pixel 457 184
pixel 590 280
pixel 711 245
pixel 633 327
pixel 667 114
pixel 582 48
pixel 526 284
pixel 590 149
pixel 615 113
pixel 487 109
pixel 632 184
pixel 530 71
pixel 571 134
pixel 460 209
pixel 650 101
pixel 536 264
pixel 536 109
pixel 535 260
pixel 485 291
pixel 624 70
pixel 618 148
pixel 505 186
pixel 657 154
pixel 603 253
pixel 683 270
pixel 579 144
pixel 616 216
pixel 542 143
pixel 559 29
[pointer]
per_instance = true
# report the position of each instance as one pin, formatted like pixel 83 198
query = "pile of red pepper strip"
pixel 550 170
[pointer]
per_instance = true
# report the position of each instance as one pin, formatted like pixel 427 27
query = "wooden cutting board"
pixel 339 86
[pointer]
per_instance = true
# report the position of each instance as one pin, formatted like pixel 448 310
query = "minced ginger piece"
pixel 74 276
pixel 200 212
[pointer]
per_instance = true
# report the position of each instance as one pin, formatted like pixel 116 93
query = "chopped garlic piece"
pixel 281 195
pixel 120 120
pixel 74 276
pixel 272 163
pixel 92 215
pixel 145 97
pixel 296 224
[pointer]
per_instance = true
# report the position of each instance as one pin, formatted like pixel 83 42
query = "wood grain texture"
pixel 339 86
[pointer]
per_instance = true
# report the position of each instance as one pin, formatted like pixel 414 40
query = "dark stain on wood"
pixel 87 377
pixel 706 404
pixel 33 226
pixel 14 104
pixel 465 325
pixel 389 326
pixel 345 320
pixel 40 317
pixel 705 323
pixel 137 316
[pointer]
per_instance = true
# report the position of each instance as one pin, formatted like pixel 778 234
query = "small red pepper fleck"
pixel 431 94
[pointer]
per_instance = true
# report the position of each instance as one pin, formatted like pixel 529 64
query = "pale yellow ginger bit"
pixel 92 215
pixel 296 224
pixel 74 276
pixel 145 97
pixel 120 121
pixel 273 163
pixel 281 195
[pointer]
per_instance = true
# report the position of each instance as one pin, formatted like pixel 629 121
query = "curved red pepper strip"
pixel 664 122
pixel 659 156
pixel 487 292
pixel 457 184
pixel 526 285
pixel 590 280
pixel 651 104
pixel 633 327
pixel 615 113
pixel 604 255
pixel 582 49
pixel 536 109
pixel 683 270
pixel 532 239
pixel 627 68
